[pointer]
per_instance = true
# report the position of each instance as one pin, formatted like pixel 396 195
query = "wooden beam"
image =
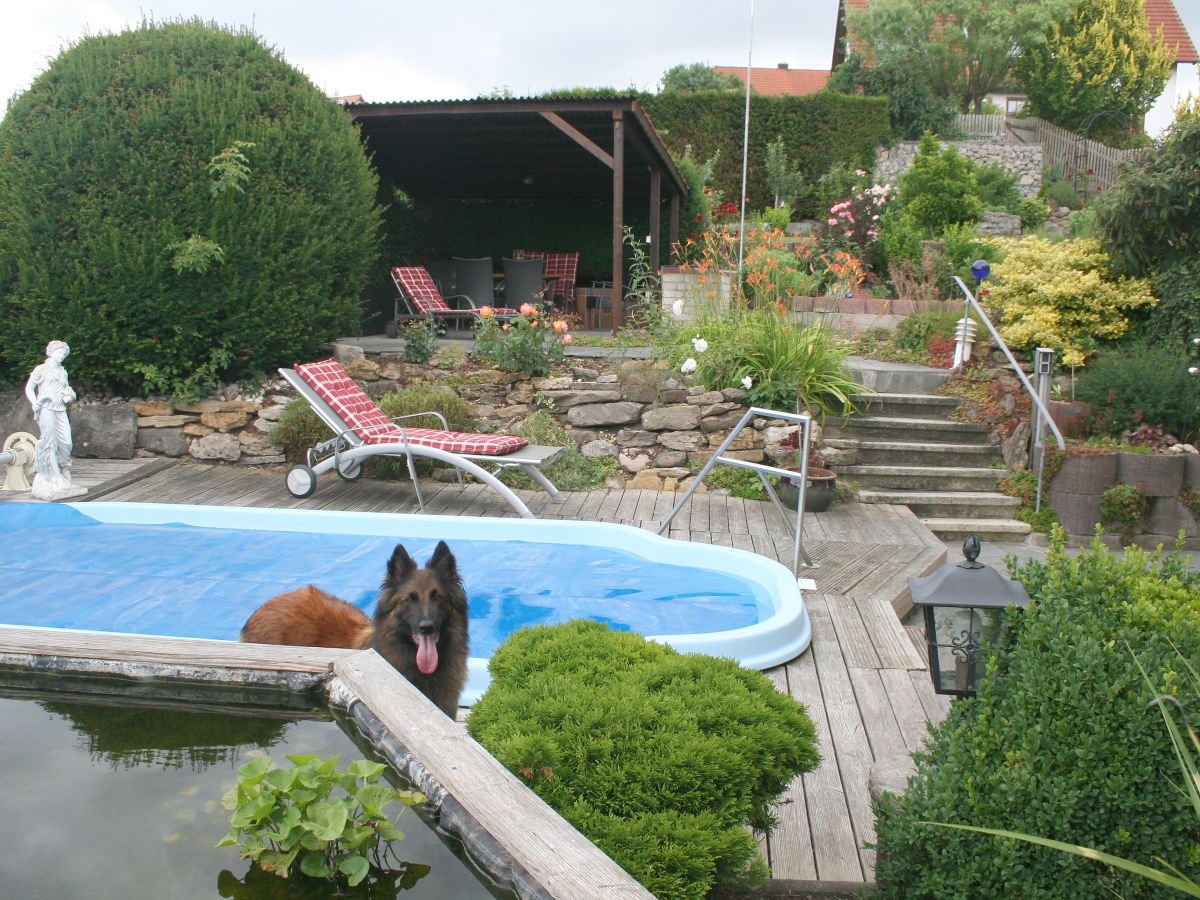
pixel 578 137
pixel 655 216
pixel 618 219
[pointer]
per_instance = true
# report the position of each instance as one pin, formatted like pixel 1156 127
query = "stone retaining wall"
pixel 1023 160
pixel 651 423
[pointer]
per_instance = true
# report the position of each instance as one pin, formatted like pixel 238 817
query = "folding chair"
pixel 362 430
pixel 562 268
pixel 421 299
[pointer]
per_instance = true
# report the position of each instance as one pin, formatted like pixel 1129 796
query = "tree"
pixel 784 181
pixel 697 76
pixel 183 208
pixel 1101 60
pixel 962 48
pixel 939 189
pixel 912 106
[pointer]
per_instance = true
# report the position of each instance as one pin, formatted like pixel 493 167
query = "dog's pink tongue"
pixel 427 655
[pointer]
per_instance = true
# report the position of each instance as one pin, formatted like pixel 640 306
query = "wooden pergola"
pixel 553 149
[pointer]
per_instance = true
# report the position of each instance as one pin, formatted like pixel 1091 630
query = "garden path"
pixel 863 680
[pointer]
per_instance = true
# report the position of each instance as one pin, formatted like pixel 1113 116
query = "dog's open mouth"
pixel 427 654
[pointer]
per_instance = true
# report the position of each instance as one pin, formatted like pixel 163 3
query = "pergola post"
pixel 655 217
pixel 618 218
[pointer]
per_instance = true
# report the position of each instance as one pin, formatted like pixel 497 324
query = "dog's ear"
pixel 443 562
pixel 400 566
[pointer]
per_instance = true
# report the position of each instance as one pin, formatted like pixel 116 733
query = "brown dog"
pixel 420 623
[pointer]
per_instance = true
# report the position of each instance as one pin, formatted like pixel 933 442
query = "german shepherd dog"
pixel 420 623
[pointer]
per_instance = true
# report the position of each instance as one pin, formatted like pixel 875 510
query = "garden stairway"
pixel 909 452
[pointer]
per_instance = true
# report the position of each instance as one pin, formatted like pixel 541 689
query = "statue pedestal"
pixel 40 492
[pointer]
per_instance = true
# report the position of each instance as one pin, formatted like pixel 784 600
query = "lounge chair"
pixel 562 267
pixel 419 298
pixel 362 430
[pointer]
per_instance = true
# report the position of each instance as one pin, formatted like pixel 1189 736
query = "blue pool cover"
pixel 60 568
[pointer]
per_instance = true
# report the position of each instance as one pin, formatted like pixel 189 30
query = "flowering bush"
pixel 1063 295
pixel 852 225
pixel 531 343
pixel 778 365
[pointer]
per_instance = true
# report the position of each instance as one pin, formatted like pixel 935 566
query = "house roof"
pixel 1159 14
pixel 1162 14
pixel 780 80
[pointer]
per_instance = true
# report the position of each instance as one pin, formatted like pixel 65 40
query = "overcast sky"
pixel 434 49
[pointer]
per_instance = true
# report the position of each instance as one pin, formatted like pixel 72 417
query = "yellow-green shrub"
pixel 1063 295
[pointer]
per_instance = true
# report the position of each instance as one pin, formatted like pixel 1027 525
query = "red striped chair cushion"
pixel 417 284
pixel 564 265
pixel 368 421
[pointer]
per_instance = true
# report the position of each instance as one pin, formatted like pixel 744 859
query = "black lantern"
pixel 964 607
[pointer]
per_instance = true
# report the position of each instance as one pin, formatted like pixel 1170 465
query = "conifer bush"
pixel 660 758
pixel 1062 741
pixel 181 206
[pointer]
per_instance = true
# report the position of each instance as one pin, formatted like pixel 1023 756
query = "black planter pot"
pixel 822 485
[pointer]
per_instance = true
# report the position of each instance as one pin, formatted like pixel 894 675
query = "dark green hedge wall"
pixel 103 165
pixel 819 131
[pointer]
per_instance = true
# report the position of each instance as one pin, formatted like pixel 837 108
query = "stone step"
pixel 947 504
pixel 956 529
pixel 917 406
pixel 893 428
pixel 928 454
pixel 920 478
pixel 895 378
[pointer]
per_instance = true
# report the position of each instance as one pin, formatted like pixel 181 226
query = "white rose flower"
pixel 700 344
pixel 747 382
pixel 689 366
pixel 677 308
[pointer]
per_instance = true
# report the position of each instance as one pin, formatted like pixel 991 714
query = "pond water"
pixel 124 802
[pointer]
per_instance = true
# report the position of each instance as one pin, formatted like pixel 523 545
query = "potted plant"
pixel 821 483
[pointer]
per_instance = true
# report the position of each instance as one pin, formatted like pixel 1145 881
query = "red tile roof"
pixel 1162 14
pixel 781 80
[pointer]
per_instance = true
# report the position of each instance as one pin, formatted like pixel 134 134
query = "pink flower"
pixel 567 339
pixel 486 312
pixel 560 325
pixel 526 309
pixel 832 221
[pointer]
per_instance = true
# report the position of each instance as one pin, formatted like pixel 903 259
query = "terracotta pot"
pixel 822 485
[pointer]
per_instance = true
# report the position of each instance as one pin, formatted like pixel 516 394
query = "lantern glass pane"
pixel 956 640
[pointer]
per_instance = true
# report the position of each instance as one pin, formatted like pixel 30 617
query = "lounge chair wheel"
pixel 350 471
pixel 301 481
pixel 391 330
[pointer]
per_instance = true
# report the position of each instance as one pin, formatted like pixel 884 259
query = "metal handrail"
pixel 971 301
pixel 763 470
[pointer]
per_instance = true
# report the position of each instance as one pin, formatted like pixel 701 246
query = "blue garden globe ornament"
pixel 980 269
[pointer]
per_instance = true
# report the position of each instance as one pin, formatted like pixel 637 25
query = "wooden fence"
pixel 1092 166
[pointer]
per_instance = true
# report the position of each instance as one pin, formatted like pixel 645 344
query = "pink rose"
pixel 526 309
pixel 567 339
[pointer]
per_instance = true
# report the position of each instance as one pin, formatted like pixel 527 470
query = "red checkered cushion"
pixel 368 421
pixel 416 283
pixel 562 264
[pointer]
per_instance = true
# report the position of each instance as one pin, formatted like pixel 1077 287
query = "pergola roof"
pixel 515 148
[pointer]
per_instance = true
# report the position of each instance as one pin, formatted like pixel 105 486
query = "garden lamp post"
pixel 964 605
pixel 964 332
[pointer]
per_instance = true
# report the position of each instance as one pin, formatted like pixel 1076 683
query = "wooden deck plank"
pixel 790 845
pixel 878 717
pixel 904 696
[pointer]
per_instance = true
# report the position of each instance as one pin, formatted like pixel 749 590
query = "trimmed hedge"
pixel 105 168
pixel 660 758
pixel 818 131
pixel 1061 741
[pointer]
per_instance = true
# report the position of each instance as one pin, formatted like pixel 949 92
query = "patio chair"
pixel 524 282
pixel 474 278
pixel 362 430
pixel 419 298
pixel 560 266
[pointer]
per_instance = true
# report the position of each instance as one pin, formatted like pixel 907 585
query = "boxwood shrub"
pixel 661 758
pixel 1062 741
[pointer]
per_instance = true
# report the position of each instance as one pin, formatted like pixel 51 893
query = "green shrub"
pixel 1142 382
pixel 1121 509
pixel 662 759
pixel 1062 741
pixel 776 216
pixel 913 332
pixel 939 189
pixel 570 470
pixel 1033 212
pixel 528 343
pixel 997 187
pixel 420 341
pixel 1176 316
pixel 183 208
pixel 1061 192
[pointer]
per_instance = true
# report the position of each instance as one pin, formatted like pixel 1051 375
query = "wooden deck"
pixel 863 680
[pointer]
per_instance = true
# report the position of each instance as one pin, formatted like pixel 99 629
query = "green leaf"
pixel 314 864
pixel 326 819
pixel 364 768
pixel 253 771
pixel 375 797
pixel 281 779
pixel 277 862
pixel 354 867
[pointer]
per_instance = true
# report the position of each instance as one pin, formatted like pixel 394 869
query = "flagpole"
pixel 745 148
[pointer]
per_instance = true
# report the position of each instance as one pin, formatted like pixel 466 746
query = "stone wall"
pixel 652 423
pixel 1023 160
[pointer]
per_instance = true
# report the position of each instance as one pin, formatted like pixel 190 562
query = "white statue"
pixel 49 392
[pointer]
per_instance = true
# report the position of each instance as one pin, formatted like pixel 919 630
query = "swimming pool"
pixel 199 571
